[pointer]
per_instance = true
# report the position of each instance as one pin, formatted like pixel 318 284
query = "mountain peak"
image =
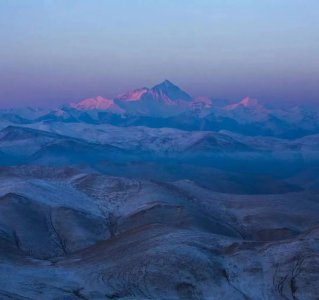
pixel 97 103
pixel 172 91
pixel 133 95
pixel 247 102
pixel 93 103
pixel 166 84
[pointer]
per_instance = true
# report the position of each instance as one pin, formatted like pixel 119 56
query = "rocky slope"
pixel 76 234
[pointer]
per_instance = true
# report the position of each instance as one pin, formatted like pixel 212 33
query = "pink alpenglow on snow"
pixel 133 95
pixel 98 103
pixel 246 103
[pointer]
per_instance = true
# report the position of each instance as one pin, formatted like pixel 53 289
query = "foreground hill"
pixel 73 234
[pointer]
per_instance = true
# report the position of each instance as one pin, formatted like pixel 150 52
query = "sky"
pixel 59 51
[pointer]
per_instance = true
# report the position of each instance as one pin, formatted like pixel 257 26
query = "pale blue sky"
pixel 64 50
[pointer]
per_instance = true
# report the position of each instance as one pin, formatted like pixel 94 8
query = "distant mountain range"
pixel 113 148
pixel 167 105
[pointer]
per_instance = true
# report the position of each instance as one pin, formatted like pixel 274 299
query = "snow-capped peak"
pixel 93 103
pixel 171 91
pixel 133 95
pixel 247 102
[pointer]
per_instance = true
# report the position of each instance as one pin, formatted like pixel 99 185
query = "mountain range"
pixel 167 105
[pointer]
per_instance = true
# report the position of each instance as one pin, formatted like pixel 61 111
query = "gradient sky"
pixel 58 51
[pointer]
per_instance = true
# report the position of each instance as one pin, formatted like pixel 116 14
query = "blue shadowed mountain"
pixel 171 91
